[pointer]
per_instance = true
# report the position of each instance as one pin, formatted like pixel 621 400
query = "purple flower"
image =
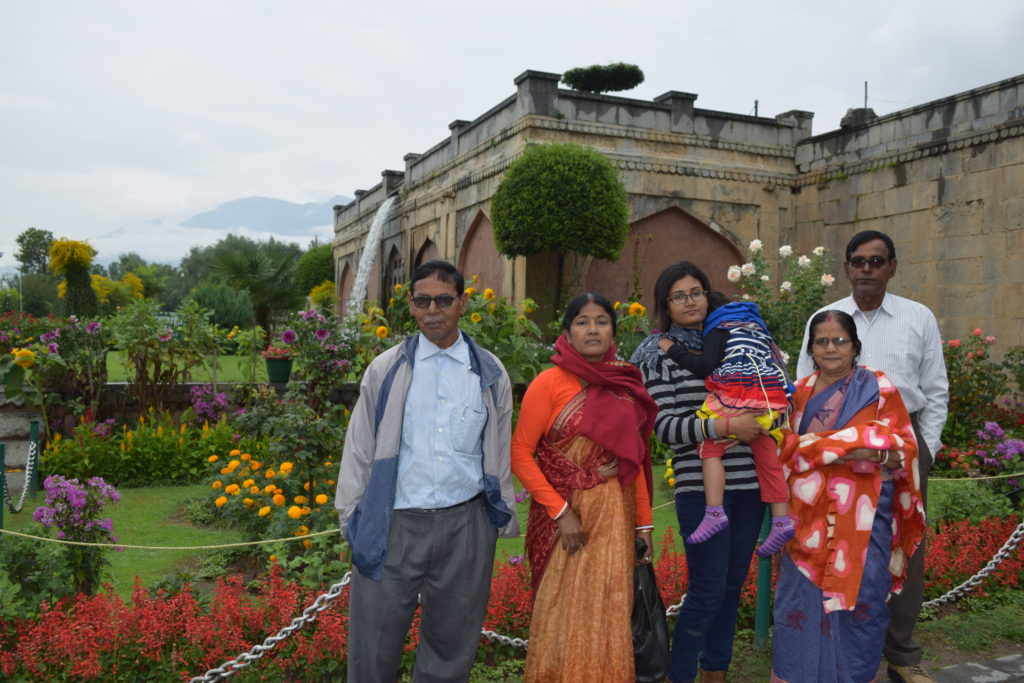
pixel 289 336
pixel 992 431
pixel 345 364
pixel 522 496
pixel 52 348
pixel 93 327
pixel 322 334
pixel 516 560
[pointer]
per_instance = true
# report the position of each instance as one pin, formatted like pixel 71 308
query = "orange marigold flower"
pixel 300 500
pixel 248 482
pixel 269 474
pixel 264 511
pixel 216 484
pixel 245 457
pixel 381 332
pixel 220 501
pixel 294 512
pixel 212 458
pixel 269 488
pixel 303 530
pixel 254 490
pixel 235 453
pixel 225 470
pixel 232 489
pixel 278 499
pixel 306 486
pixel 255 465
pixel 321 499
pixel 307 544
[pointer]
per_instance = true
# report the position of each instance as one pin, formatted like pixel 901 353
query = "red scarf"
pixel 619 413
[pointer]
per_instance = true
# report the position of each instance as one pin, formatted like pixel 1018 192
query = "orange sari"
pixel 580 629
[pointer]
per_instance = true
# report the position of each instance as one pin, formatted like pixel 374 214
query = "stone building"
pixel 945 179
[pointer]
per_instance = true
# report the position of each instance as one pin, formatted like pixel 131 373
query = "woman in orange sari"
pixel 588 419
pixel 851 461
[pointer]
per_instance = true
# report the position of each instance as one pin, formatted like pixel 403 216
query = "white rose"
pixel 804 261
pixel 827 279
pixel 785 250
pixel 748 269
pixel 755 246
pixel 733 274
pixel 785 286
pixel 765 278
pixel 819 251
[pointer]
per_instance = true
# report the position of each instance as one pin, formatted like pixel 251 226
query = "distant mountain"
pixel 267 214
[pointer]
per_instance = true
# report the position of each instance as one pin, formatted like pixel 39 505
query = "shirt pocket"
pixel 468 428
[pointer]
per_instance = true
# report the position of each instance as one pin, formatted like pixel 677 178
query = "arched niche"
pixel 479 256
pixel 655 242
pixel 428 252
pixel 394 273
pixel 345 282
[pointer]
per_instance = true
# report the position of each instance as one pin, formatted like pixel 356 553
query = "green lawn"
pixel 146 516
pixel 229 369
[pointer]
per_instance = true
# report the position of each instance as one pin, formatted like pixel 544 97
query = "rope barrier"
pixel 30 463
pixel 991 476
pixel 125 546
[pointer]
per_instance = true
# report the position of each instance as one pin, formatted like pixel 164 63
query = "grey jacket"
pixel 367 479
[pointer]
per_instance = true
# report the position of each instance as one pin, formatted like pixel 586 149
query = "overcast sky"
pixel 117 113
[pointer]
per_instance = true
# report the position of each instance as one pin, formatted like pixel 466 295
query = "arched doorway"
pixel 479 256
pixel 428 252
pixel 345 282
pixel 658 241
pixel 394 273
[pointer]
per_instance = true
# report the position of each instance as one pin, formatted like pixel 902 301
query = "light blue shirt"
pixel 440 460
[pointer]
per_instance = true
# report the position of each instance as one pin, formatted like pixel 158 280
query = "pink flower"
pixel 989 339
pixel 166 336
pixel 970 354
pixel 977 331
pixel 955 343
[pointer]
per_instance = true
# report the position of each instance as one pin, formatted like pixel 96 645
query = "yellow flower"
pixel 256 465
pixel 294 512
pixel 233 489
pixel 234 464
pixel 225 470
pixel 245 457
pixel 307 544
pixel 216 485
pixel 25 358
pixel 475 279
pixel 398 288
pixel 220 501
pixel 303 530
pixel 286 467
pixel 273 558
pixel 235 453
pixel 637 308
pixel 248 482
pixel 529 305
pixel 476 317
pixel 248 502
pixel 254 490
pixel 300 500
pixel 269 489
pixel 488 294
pixel 278 499
pixel 306 486
pixel 269 474
pixel 616 305
pixel 470 291
pixel 381 332
pixel 264 511
pixel 321 499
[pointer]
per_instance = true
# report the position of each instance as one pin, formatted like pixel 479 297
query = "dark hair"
pixel 662 288
pixel 577 304
pixel 868 236
pixel 845 321
pixel 443 271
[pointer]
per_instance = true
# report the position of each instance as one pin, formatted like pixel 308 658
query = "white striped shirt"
pixel 902 340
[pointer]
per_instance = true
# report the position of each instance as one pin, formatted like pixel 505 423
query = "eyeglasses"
pixel 680 298
pixel 823 342
pixel 442 300
pixel 874 261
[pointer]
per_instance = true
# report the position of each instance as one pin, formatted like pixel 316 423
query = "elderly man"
pixel 901 338
pixel 424 488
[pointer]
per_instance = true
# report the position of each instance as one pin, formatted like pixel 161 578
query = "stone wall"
pixel 946 181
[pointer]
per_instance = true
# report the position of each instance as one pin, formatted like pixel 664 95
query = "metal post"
pixel 3 482
pixel 764 590
pixel 33 436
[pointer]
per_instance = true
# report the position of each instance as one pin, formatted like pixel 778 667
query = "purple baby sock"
pixel 713 522
pixel 782 530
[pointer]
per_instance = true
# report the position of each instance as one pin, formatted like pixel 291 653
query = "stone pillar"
pixel 537 93
pixel 456 127
pixel 682 109
pixel 390 180
pixel 801 122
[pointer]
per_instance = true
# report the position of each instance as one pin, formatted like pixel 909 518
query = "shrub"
pixel 229 307
pixel 315 266
pixel 604 78
pixel 975 382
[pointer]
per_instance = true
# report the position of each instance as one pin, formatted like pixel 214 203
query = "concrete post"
pixel 682 109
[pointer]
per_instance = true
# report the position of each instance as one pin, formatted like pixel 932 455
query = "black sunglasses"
pixel 442 300
pixel 875 261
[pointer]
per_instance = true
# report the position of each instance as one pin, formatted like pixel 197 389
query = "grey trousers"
pixel 900 647
pixel 445 556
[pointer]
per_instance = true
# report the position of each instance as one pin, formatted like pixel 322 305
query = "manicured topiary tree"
pixel 71 259
pixel 604 78
pixel 562 198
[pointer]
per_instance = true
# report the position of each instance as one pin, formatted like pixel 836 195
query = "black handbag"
pixel 650 630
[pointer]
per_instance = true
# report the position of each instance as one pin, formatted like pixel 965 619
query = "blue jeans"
pixel 717 569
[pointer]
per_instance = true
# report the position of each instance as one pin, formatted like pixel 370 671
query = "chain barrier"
pixel 308 616
pixel 30 464
pixel 963 588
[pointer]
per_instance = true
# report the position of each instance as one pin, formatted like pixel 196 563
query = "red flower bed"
pixel 172 637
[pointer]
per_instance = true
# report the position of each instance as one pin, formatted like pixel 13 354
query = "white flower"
pixel 746 297
pixel 765 278
pixel 827 279
pixel 785 286
pixel 804 261
pixel 819 251
pixel 785 357
pixel 785 250
pixel 755 246
pixel 748 269
pixel 733 274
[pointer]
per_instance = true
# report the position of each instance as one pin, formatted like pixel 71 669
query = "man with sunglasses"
pixel 424 489
pixel 901 338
